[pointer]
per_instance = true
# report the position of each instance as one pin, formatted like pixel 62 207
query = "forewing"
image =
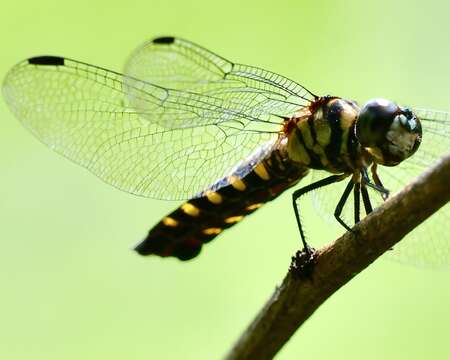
pixel 436 136
pixel 84 113
pixel 179 64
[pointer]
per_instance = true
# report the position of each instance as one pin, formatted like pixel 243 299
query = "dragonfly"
pixel 182 123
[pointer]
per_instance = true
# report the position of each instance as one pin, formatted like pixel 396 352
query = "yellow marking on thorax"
pixel 261 171
pixel 237 183
pixel 348 117
pixel 323 134
pixel 323 131
pixel 306 133
pixel 212 231
pixel 296 150
pixel 233 219
pixel 320 151
pixel 168 221
pixel 190 209
pixel 214 197
pixel 254 206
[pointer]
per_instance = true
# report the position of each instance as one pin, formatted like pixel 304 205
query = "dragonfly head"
pixel 389 133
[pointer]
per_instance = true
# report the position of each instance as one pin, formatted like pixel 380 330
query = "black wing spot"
pixel 164 40
pixel 46 60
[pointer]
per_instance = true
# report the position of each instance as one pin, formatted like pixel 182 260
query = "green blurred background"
pixel 71 286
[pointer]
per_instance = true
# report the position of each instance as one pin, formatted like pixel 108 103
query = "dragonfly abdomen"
pixel 183 232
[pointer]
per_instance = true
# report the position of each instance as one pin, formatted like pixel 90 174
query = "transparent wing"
pixel 179 64
pixel 428 245
pixel 162 139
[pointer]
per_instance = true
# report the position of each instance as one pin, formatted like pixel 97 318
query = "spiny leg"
pixel 365 195
pixel 341 203
pixel 357 199
pixel 302 264
pixel 375 176
pixel 366 200
pixel 298 193
pixel 378 186
pixel 377 181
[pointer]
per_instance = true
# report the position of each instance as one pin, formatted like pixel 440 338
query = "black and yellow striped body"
pixel 323 136
pixel 320 137
pixel 183 232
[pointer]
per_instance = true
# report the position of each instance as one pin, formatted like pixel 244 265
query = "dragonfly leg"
pixel 365 195
pixel 298 193
pixel 375 177
pixel 377 185
pixel 366 200
pixel 357 200
pixel 341 203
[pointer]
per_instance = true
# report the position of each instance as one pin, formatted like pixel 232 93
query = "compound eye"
pixel 410 130
pixel 388 132
pixel 374 121
pixel 408 120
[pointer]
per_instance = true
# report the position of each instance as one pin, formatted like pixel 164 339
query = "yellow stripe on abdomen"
pixel 183 232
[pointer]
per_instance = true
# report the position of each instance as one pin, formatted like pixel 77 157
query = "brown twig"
pixel 336 264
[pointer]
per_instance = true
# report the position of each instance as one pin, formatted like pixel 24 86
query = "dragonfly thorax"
pixel 324 137
pixel 388 132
